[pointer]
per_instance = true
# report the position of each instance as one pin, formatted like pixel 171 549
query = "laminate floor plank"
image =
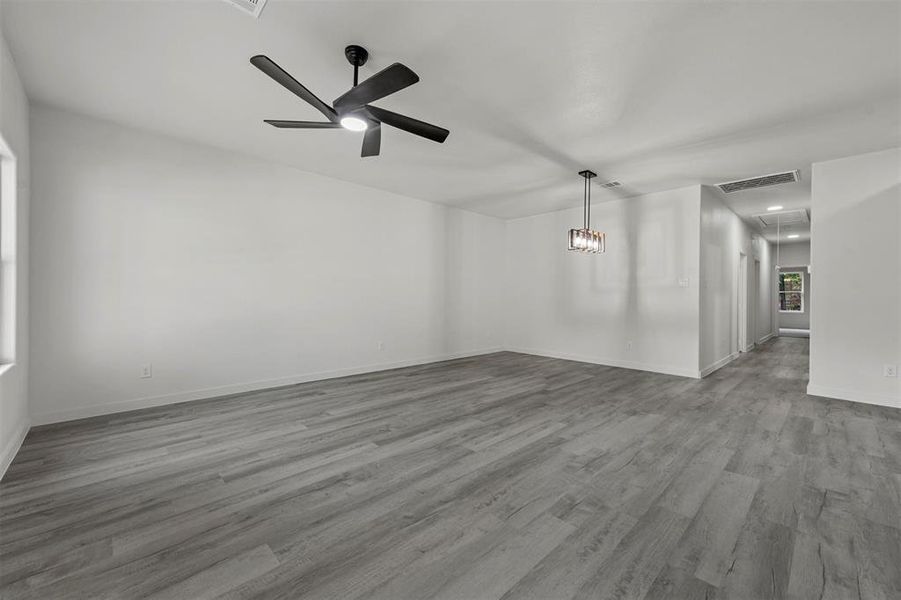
pixel 499 476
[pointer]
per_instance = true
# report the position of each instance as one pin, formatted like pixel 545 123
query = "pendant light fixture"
pixel 585 239
pixel 778 240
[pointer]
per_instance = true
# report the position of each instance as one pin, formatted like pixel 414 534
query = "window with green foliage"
pixel 791 292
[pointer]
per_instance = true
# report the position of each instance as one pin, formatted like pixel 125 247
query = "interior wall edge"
pixel 44 106
pixel 719 364
pixel 892 401
pixel 609 309
pixel 175 241
pixel 855 219
pixel 14 128
pixel 109 408
pixel 12 446
pixel 724 238
pixel 611 362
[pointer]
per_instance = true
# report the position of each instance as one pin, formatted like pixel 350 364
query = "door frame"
pixel 742 302
pixel 755 303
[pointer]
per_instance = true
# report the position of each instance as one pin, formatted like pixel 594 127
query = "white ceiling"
pixel 654 95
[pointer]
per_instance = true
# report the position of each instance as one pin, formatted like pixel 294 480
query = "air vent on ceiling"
pixel 251 7
pixel 786 218
pixel 611 184
pixel 759 182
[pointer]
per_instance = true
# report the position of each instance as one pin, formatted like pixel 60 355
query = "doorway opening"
pixel 743 302
pixel 793 301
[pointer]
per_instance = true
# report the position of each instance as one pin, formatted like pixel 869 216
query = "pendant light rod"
pixel 778 239
pixel 586 196
pixel 357 56
pixel 584 204
pixel 588 203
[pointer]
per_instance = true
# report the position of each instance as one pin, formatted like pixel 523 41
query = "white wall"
pixel 856 279
pixel 766 305
pixel 589 307
pixel 795 254
pixel 796 257
pixel 723 237
pixel 227 273
pixel 14 380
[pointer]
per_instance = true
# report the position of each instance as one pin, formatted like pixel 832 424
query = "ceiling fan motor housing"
pixel 356 55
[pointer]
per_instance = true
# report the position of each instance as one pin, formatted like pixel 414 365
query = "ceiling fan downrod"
pixel 357 56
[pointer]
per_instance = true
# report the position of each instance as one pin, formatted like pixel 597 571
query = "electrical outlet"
pixel 890 370
pixel 146 371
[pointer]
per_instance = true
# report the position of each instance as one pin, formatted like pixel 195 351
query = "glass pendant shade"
pixel 587 240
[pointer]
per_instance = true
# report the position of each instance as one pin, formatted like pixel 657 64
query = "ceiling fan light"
pixel 354 124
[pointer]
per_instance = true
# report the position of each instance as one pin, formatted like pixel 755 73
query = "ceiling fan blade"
pixel 387 81
pixel 372 141
pixel 302 124
pixel 268 66
pixel 409 124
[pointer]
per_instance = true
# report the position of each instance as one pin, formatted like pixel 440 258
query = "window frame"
pixel 9 191
pixel 801 291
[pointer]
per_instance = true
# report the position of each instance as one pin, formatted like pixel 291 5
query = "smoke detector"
pixel 758 182
pixel 251 7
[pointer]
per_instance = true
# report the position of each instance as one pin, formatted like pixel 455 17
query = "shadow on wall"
pixel 878 219
pixel 468 300
pixel 573 267
pixel 631 287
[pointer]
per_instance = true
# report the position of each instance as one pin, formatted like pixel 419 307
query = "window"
pixel 791 292
pixel 7 257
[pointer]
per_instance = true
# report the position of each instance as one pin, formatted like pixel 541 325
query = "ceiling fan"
pixel 352 110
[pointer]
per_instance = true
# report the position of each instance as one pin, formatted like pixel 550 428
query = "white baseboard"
pixel 718 364
pixel 889 400
pixel 12 446
pixel 767 337
pixel 624 364
pixel 236 388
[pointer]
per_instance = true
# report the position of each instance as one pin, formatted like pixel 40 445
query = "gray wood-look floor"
pixel 503 476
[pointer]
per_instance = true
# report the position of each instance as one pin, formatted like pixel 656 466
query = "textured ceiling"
pixel 654 95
